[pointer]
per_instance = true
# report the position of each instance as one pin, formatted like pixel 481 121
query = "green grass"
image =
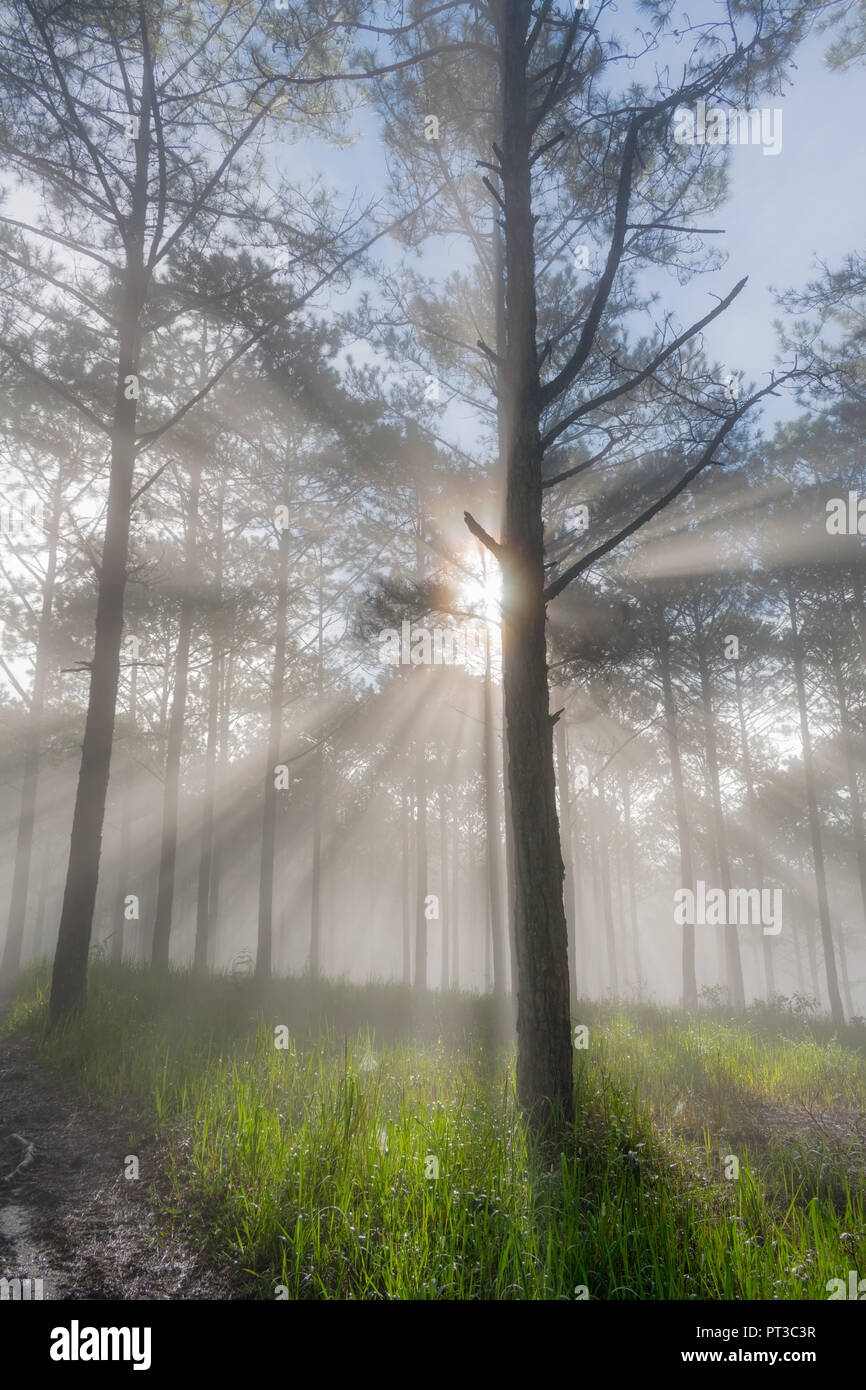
pixel 309 1167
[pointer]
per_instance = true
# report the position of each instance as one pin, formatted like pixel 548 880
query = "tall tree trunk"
pixel 126 795
pixel 833 994
pixel 849 747
pixel 420 866
pixel 604 831
pixel 502 429
pixel 579 963
pixel 174 748
pixel 593 975
pixel 812 952
pixel 69 977
pixel 690 982
pixel 39 925
pixel 492 832
pixel 732 944
pixel 406 884
pixel 455 907
pixel 625 786
pixel 206 852
pixel 226 679
pixel 275 732
pixel 843 967
pixel 544 1051
pixel 316 872
pixel 769 972
pixel 565 823
pixel 445 897
pixel 204 897
pixel 798 954
pixel 510 889
pixel 32 741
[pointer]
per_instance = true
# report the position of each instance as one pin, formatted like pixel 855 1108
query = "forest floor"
pixel 326 1140
pixel 67 1214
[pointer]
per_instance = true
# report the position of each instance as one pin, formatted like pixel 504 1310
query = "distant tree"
pixel 97 105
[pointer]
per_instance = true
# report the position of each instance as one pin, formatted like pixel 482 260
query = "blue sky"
pixel 808 200
pixel 783 211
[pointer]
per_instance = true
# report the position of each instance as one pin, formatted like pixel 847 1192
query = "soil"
pixel 68 1215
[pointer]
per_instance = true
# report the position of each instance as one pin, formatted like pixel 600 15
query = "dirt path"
pixel 68 1215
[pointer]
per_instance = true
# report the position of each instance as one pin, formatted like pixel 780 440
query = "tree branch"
pixel 647 371
pixel 706 458
pixel 486 540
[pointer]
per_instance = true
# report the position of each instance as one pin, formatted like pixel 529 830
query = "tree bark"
pixel 769 971
pixel 69 976
pixel 206 854
pixel 492 832
pixel 33 739
pixel 849 747
pixel 264 948
pixel 604 830
pixel 455 906
pixel 445 903
pixel 566 827
pixel 126 793
pixel 174 748
pixel 629 869
pixel 420 866
pixel 544 1052
pixel 836 1010
pixel 732 945
pixel 316 870
pixel 690 983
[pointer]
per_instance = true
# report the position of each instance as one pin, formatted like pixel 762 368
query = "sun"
pixel 480 592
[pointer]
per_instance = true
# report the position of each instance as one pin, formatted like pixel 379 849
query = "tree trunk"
pixel 798 954
pixel 126 794
pixel 226 678
pixel 843 967
pixel 769 972
pixel 33 738
pixel 420 866
pixel 690 982
pixel 629 869
pixel 849 747
pixel 174 748
pixel 406 884
pixel 206 852
pixel 316 872
pixel 604 830
pixel 69 977
pixel 492 832
pixel 275 733
pixel 455 906
pixel 502 431
pixel 544 1052
pixel 565 823
pixel 445 903
pixel 833 994
pixel 732 944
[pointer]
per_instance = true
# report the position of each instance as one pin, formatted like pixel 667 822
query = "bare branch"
pixel 647 371
pixel 706 458
pixel 480 534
